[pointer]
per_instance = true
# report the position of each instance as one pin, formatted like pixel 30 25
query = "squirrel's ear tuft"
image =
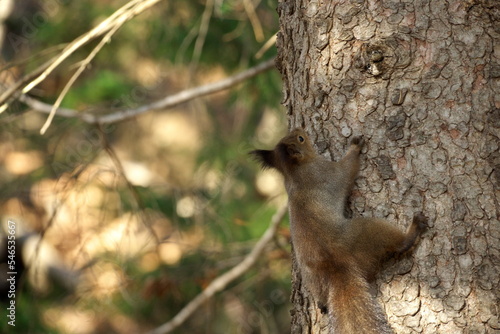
pixel 265 157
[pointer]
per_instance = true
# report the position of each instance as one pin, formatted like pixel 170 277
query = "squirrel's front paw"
pixel 358 141
pixel 421 220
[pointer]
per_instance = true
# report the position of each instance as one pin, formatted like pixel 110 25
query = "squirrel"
pixel 337 257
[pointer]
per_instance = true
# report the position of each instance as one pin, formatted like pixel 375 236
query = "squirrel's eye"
pixel 301 139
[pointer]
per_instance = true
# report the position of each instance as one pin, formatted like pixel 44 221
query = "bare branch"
pixel 75 76
pixel 222 281
pixel 202 34
pixel 254 20
pixel 270 42
pixel 46 108
pixel 119 166
pixel 167 102
pixel 125 13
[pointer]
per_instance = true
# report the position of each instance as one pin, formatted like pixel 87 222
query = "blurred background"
pixel 118 227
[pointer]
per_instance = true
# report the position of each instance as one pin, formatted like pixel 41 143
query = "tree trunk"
pixel 420 80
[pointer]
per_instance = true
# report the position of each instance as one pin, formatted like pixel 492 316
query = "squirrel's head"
pixel 294 149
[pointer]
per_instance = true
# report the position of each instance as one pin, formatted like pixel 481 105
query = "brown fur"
pixel 337 257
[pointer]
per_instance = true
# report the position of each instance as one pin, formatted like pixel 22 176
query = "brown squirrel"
pixel 337 257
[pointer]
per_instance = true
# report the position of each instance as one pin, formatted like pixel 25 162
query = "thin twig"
pixel 167 102
pixel 270 42
pixel 254 20
pixel 222 281
pixel 139 204
pixel 77 73
pixel 32 57
pixel 16 87
pixel 202 34
pixel 102 28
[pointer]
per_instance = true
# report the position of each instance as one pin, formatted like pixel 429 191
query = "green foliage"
pixel 102 86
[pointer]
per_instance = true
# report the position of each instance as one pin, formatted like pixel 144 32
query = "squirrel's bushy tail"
pixel 352 308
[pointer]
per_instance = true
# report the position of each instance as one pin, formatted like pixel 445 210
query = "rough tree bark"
pixel 420 80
